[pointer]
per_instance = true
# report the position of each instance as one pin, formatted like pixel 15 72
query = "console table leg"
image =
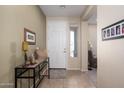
pixel 15 78
pixel 29 79
pixel 15 82
pixel 48 68
pixel 34 78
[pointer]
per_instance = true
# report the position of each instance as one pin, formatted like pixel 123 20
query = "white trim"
pixel 73 68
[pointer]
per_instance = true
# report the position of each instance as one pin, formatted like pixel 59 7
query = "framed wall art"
pixel 29 36
pixel 113 31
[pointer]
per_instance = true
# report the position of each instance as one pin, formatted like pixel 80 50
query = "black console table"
pixel 31 74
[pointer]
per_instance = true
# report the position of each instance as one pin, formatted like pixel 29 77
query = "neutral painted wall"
pixel 110 53
pixel 13 19
pixel 92 38
pixel 84 46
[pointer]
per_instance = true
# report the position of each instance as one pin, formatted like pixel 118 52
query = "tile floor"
pixel 73 79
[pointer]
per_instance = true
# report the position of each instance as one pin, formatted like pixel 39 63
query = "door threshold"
pixel 57 68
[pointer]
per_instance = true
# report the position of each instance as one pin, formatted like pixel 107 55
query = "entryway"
pixel 73 79
pixel 67 47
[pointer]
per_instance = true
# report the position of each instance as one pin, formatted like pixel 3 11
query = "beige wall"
pixel 88 33
pixel 13 19
pixel 92 37
pixel 84 46
pixel 110 53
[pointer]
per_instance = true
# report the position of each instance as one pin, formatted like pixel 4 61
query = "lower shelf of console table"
pixel 31 76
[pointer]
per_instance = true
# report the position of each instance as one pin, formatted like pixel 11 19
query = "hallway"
pixel 73 79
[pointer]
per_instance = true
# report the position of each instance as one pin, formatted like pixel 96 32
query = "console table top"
pixel 29 65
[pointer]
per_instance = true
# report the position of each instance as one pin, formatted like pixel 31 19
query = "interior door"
pixel 56 42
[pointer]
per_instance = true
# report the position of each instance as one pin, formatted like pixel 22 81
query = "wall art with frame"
pixel 29 36
pixel 113 31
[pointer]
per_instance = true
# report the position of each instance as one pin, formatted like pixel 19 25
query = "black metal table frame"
pixel 34 74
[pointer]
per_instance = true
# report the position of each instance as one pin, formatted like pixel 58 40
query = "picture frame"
pixel 113 31
pixel 29 36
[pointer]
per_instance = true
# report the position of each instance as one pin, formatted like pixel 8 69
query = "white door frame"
pixel 76 64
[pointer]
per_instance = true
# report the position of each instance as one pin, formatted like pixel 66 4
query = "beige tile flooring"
pixel 73 79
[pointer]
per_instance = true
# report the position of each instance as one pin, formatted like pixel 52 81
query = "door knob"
pixel 64 50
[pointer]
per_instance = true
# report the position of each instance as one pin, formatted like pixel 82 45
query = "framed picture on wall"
pixel 113 31
pixel 108 32
pixel 29 36
pixel 118 30
pixel 123 28
pixel 104 34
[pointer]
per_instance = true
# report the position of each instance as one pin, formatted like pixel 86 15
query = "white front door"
pixel 56 43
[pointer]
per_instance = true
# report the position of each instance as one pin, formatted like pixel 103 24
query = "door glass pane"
pixel 73 41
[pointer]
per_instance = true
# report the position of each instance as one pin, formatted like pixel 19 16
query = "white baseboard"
pixel 6 85
pixel 73 68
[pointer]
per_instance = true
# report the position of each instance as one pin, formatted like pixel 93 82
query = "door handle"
pixel 64 50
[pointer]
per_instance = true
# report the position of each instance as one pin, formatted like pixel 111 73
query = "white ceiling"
pixel 69 11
